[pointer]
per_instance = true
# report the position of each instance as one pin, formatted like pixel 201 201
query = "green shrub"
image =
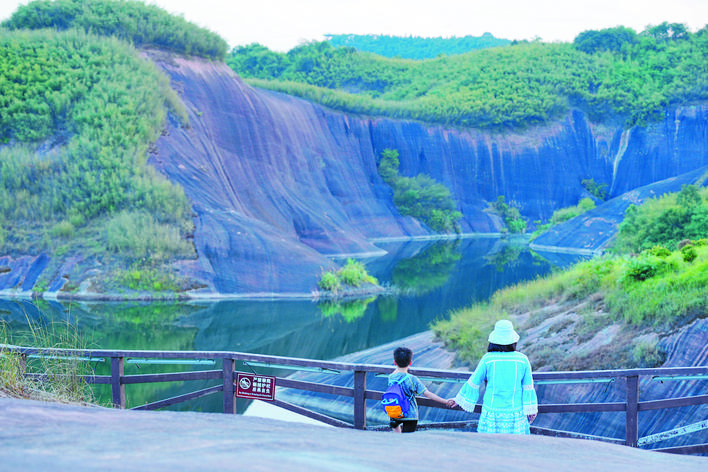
pixel 420 197
pixel 352 274
pixel 648 355
pixel 659 251
pixel 144 278
pixel 688 253
pixel 598 191
pixel 644 267
pixel 565 214
pixel 63 229
pixel 329 282
pixel 672 221
pixel 511 215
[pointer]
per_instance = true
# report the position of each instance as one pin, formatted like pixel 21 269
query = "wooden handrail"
pixel 359 392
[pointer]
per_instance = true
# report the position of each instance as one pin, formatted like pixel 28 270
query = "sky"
pixel 283 24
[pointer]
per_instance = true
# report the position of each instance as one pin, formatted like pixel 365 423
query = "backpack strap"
pixel 399 382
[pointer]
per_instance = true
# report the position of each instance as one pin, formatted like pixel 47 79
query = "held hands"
pixel 451 403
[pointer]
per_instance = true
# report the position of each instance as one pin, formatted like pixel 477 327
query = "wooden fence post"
pixel 360 399
pixel 632 408
pixel 228 366
pixel 118 387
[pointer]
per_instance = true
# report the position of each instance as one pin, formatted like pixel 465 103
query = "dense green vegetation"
pixel 414 47
pixel 420 196
pixel 614 75
pixel 658 277
pixel 142 25
pixel 511 215
pixel 665 221
pixel 78 115
pixel 350 276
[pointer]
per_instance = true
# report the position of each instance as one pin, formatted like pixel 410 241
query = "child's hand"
pixel 451 403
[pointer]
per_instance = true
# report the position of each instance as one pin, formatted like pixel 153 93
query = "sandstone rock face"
pixel 279 183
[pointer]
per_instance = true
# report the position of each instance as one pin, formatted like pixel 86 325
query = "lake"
pixel 433 279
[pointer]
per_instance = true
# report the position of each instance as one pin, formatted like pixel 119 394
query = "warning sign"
pixel 255 387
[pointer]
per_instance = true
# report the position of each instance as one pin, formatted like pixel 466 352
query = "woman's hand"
pixel 451 403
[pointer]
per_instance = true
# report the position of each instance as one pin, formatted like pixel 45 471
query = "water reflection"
pixel 428 270
pixel 435 278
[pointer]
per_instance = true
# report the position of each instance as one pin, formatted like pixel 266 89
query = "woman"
pixel 510 403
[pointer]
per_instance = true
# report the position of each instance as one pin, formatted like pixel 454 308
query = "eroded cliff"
pixel 278 183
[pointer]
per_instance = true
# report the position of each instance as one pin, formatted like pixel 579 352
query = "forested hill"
pixel 140 24
pixel 414 47
pixel 613 75
pixel 80 111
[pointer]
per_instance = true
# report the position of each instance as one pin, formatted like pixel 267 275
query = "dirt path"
pixel 46 436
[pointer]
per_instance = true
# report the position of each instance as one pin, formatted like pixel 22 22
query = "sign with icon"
pixel 255 387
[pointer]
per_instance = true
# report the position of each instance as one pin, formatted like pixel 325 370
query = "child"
pixel 411 386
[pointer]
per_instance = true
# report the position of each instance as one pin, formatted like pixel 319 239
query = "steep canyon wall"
pixel 279 183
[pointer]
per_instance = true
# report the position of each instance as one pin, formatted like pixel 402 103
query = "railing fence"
pixel 360 394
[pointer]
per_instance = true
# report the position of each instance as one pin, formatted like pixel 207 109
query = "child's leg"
pixel 395 426
pixel 409 426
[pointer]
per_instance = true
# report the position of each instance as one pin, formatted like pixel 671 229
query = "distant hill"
pixel 613 75
pixel 415 47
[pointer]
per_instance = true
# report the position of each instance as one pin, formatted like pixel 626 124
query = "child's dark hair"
pixel 402 356
pixel 501 347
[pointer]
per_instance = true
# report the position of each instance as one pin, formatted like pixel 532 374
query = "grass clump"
pixel 51 376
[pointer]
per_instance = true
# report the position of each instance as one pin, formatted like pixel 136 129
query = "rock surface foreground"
pixel 47 436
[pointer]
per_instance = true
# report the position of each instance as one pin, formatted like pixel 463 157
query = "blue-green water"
pixel 437 278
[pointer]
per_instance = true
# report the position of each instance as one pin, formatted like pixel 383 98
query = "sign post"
pixel 255 387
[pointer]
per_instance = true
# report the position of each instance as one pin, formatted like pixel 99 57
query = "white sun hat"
pixel 503 333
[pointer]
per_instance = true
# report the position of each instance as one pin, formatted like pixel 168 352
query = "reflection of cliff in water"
pixel 303 329
pixel 429 269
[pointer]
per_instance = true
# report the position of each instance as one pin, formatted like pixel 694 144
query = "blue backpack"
pixel 395 401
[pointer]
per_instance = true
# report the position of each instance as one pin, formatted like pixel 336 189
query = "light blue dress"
pixel 509 396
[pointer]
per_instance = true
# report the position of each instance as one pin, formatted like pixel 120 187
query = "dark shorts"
pixel 409 426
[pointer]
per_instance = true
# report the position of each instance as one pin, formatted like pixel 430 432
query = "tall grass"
pixel 57 376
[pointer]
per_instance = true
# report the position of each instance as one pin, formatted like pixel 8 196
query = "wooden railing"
pixel 225 376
